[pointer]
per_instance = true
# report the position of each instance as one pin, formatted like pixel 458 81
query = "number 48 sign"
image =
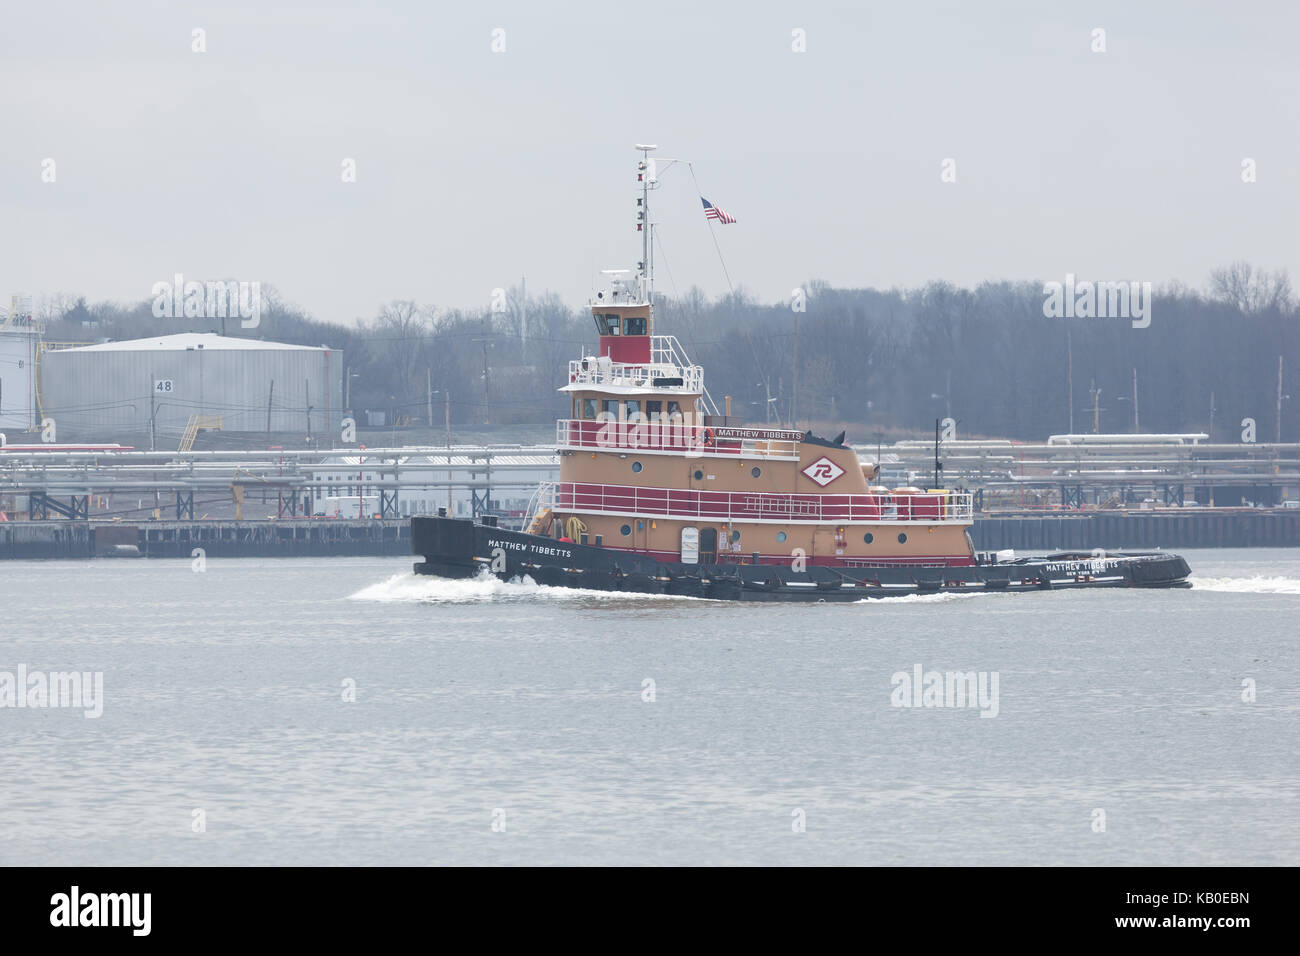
pixel 162 386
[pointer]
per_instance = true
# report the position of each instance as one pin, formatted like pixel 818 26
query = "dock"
pixel 334 537
pixel 216 539
pixel 1139 530
pixel 1134 493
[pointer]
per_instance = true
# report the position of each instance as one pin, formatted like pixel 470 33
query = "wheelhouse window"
pixel 654 409
pixel 674 412
pixel 608 324
pixel 634 325
pixel 609 409
pixel 632 409
pixel 589 408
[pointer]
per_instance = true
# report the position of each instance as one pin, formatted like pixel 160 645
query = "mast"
pixel 646 175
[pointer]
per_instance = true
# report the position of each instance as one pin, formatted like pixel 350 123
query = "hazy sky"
pixel 475 168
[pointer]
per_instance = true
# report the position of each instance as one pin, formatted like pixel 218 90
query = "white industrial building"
pixel 153 390
pixel 19 346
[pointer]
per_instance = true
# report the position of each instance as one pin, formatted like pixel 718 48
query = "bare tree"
pixel 1253 292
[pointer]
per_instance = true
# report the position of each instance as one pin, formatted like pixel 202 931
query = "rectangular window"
pixel 674 412
pixel 654 409
pixel 609 408
pixel 632 408
pixel 634 325
pixel 607 324
pixel 589 409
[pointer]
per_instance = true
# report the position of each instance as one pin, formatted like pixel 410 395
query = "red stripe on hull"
pixel 830 560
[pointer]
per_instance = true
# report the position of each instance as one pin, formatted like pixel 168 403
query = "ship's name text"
pixel 530 548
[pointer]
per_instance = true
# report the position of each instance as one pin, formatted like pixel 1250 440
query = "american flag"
pixel 713 212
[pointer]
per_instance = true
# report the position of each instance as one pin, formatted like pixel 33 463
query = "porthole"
pixel 756 471
pixel 735 536
pixel 868 537
pixel 625 530
pixel 902 538
pixel 636 467
pixel 780 537
pixel 699 475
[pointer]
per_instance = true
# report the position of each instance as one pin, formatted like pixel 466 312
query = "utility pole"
pixel 269 398
pixel 307 385
pixel 794 387
pixel 1137 430
pixel 1278 437
pixel 937 466
pixel 1069 379
pixel 485 342
pixel 487 390
pixel 446 394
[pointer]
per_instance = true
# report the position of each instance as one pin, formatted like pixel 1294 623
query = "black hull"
pixel 457 548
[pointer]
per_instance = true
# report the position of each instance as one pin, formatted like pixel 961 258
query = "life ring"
pixel 706 436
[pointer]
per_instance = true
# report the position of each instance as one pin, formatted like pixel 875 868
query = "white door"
pixel 690 546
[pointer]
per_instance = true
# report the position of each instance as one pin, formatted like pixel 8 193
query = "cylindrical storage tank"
pixel 111 390
pixel 18 349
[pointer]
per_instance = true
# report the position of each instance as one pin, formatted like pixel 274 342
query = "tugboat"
pixel 660 492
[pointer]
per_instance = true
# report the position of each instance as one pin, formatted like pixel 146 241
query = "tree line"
pixel 881 363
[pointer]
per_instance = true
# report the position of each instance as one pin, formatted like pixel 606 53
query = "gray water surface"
pixel 480 701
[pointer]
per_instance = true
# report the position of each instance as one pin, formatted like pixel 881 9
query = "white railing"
pixel 543 499
pixel 667 360
pixel 670 437
pixel 597 371
pixel 588 498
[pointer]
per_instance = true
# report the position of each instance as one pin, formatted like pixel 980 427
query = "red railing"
pixel 581 497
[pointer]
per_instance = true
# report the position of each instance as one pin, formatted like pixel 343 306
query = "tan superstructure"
pixel 646 466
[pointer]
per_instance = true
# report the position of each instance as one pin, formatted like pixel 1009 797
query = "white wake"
pixel 1253 585
pixel 427 589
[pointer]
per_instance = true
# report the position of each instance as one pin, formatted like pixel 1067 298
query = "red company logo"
pixel 823 471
